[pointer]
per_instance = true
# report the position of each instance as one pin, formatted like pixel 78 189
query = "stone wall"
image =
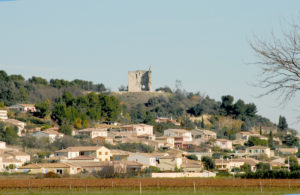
pixel 183 174
pixel 140 80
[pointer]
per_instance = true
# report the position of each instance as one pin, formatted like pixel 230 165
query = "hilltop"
pixel 78 104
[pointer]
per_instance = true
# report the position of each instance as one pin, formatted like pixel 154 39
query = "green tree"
pixel 255 141
pixel 245 167
pixel 282 124
pixel 165 89
pixel 59 113
pixel 244 127
pixel 202 123
pixel 226 107
pixel 14 77
pixel 293 163
pixel 10 135
pixel 208 162
pixel 260 130
pixel 43 109
pixel 290 140
pixel 192 157
pixel 239 109
pixel 263 166
pixel 38 80
pixel 65 129
pixel 270 140
pixel 197 110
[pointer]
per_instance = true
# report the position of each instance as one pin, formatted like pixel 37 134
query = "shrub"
pixel 51 175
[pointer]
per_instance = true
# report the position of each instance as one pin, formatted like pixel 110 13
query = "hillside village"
pixel 79 128
pixel 178 152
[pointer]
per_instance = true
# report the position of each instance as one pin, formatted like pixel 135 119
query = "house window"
pixel 106 159
pixel 59 171
pixel 106 153
pixel 100 153
pixel 262 151
pixel 250 151
pixel 81 153
pixel 256 151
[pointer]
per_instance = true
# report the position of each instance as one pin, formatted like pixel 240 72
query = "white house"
pixel 224 144
pixel 24 107
pixel 185 134
pixel 99 152
pixel 20 156
pixel 167 141
pixel 147 159
pixel 138 129
pixel 2 145
pixel 3 115
pixel 94 132
pixel 259 150
pixel 229 164
pixel 52 135
pixel 169 163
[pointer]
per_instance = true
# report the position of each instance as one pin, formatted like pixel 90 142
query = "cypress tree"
pixel 202 123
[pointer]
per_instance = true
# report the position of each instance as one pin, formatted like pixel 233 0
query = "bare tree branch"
pixel 279 60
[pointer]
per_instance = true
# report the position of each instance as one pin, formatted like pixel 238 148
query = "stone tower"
pixel 140 80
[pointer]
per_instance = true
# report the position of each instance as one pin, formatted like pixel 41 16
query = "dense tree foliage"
pixel 85 85
pixel 208 162
pixel 192 157
pixel 165 89
pixel 15 89
pixel 8 134
pixel 290 140
pixel 238 110
pixel 272 174
pixel 43 109
pixel 263 166
pixel 79 111
pixel 255 141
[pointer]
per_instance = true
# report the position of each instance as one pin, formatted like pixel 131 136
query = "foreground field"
pixel 149 186
pixel 155 191
pixel 146 182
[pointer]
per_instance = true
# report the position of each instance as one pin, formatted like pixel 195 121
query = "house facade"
pixel 52 135
pixel 204 135
pixel 185 134
pixel 94 132
pixel 138 129
pixel 99 152
pixel 169 163
pixel 24 107
pixel 259 150
pixel 146 159
pixel 44 168
pixel 224 144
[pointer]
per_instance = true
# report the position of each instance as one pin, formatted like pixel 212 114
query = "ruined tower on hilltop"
pixel 140 80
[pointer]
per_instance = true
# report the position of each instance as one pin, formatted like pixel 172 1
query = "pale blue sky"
pixel 202 43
